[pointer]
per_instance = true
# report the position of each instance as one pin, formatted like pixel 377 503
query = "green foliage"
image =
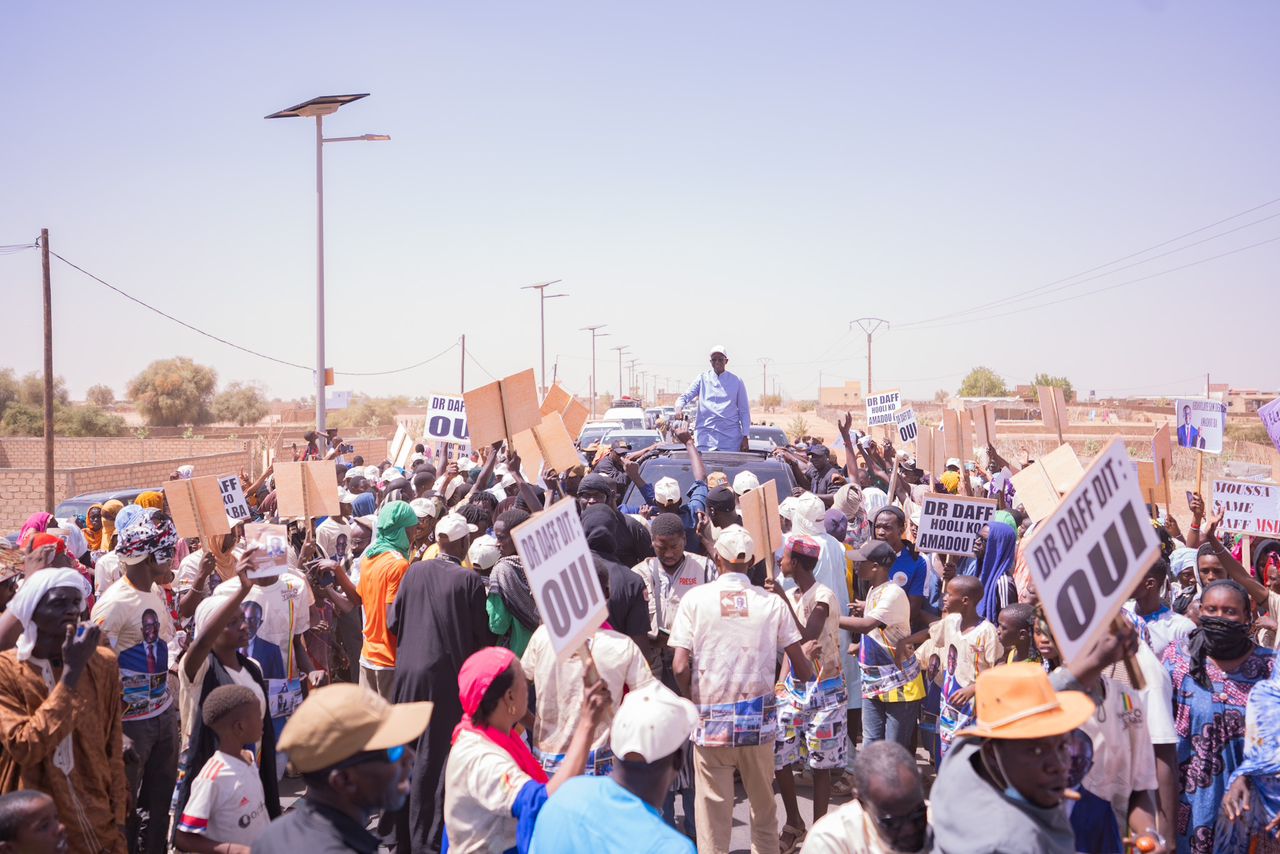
pixel 22 420
pixel 806 405
pixel 983 382
pixel 1061 382
pixel 371 413
pixel 240 403
pixel 170 392
pixel 8 389
pixel 87 420
pixel 31 390
pixel 100 395
pixel 797 427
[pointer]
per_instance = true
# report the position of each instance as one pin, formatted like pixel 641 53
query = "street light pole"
pixel 319 108
pixel 622 349
pixel 594 334
pixel 543 296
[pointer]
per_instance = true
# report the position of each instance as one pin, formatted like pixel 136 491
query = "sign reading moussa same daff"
pixel 1247 506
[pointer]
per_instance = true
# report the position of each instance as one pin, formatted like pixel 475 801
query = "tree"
pixel 367 413
pixel 87 420
pixel 983 382
pixel 8 389
pixel 175 391
pixel 243 404
pixel 22 420
pixel 1061 382
pixel 31 390
pixel 100 395
pixel 941 395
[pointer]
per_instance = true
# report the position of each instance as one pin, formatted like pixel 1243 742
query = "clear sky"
pixel 751 173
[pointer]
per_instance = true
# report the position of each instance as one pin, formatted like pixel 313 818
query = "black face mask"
pixel 1224 638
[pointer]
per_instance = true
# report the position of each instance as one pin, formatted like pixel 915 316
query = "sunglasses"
pixel 391 755
pixel 895 824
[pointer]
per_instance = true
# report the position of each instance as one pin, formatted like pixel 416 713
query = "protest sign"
pixel 233 497
pixel 1247 507
pixel 334 400
pixel 562 575
pixel 447 419
pixel 501 409
pixel 759 509
pixel 196 507
pixel 307 490
pixel 271 557
pixel 556 400
pixel 575 417
pixel 546 443
pixel 1162 455
pixel 949 524
pixel 1270 415
pixel 1200 424
pixel 984 425
pixel 908 427
pixel 956 429
pixel 401 446
pixel 1053 408
pixel 931 456
pixel 1063 466
pixel 1087 556
pixel 1041 484
pixel 881 408
pixel 1153 493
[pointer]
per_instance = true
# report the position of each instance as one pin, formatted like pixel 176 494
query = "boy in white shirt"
pixel 227 810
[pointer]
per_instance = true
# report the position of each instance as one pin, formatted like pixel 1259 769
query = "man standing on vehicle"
pixel 724 410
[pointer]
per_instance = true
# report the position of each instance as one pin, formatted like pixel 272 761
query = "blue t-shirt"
pixel 594 815
pixel 909 573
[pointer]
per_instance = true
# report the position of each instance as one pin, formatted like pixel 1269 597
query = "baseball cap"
pixel 666 491
pixel 484 552
pixel 875 551
pixel 818 450
pixel 744 481
pixel 717 348
pixel 354 471
pixel 391 474
pixel 371 472
pixel 652 722
pixel 454 527
pixel 734 545
pixel 508 479
pixel 620 445
pixel 809 507
pixel 722 498
pixel 466 464
pixel 339 721
pixel 717 478
pixel 424 507
pixel 803 545
pixel 953 462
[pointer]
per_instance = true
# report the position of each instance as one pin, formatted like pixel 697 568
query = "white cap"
pixel 453 527
pixel 371 472
pixel 416 457
pixel 454 485
pixel 667 491
pixel 466 464
pixel 953 461
pixel 354 471
pixel 391 474
pixel 744 481
pixel 809 507
pixel 508 479
pixel 734 545
pixel 484 552
pixel 424 507
pixel 787 507
pixel 718 348
pixel 652 722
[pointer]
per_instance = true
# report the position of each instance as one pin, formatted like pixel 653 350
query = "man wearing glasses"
pixel 889 812
pixel 724 410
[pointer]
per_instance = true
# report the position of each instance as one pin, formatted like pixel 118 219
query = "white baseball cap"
pixel 809 507
pixel 354 471
pixel 735 545
pixel 371 472
pixel 953 461
pixel 508 479
pixel 484 552
pixel 718 348
pixel 466 464
pixel 391 474
pixel 453 527
pixel 424 507
pixel 744 481
pixel 667 491
pixel 652 722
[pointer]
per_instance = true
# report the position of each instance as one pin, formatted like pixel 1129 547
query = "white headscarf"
pixel 24 602
pixel 205 611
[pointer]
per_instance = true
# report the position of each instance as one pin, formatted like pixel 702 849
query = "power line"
pixel 480 366
pixel 14 248
pixel 397 370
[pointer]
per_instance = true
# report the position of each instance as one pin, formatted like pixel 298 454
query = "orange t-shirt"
pixel 380 578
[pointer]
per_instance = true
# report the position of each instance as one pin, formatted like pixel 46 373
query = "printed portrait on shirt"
pixel 151 656
pixel 266 653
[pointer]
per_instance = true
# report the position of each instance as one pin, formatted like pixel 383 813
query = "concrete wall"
pixel 19 453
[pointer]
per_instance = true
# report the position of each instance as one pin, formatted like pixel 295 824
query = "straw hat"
pixel 1017 701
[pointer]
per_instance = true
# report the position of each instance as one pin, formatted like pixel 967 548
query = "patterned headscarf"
pixel 151 533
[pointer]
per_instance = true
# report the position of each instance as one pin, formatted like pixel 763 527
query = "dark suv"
pixel 673 461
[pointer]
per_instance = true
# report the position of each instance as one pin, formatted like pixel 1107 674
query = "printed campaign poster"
pixel 1270 415
pixel 1201 424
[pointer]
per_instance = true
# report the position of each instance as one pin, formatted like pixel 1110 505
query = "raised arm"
pixel 694 392
pixel 696 465
pixel 1235 570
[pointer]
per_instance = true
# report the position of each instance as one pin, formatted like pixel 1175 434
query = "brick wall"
pixel 21 453
pixel 22 489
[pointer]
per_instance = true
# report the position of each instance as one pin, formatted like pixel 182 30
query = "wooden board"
pixel 556 400
pixel 499 410
pixel 555 443
pixel 1162 453
pixel 759 509
pixel 965 420
pixel 1063 467
pixel 575 416
pixel 951 434
pixel 531 461
pixel 306 490
pixel 984 425
pixel 520 402
pixel 196 507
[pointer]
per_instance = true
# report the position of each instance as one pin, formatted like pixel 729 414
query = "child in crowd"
pixel 1015 629
pixel 810 712
pixel 227 809
pixel 29 824
pixel 965 645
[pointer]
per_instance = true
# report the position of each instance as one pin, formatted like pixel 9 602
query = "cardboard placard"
pixel 984 425
pixel 1035 491
pixel 501 409
pixel 400 442
pixel 271 557
pixel 556 400
pixel 307 490
pixel 1201 424
pixel 562 575
pixel 881 408
pixel 1053 408
pixel 233 497
pixel 951 431
pixel 1087 557
pixel 965 420
pixel 759 509
pixel 908 426
pixel 546 444
pixel 931 453
pixel 196 506
pixel 1270 415
pixel 1248 507
pixel 575 417
pixel 1152 492
pixel 1064 468
pixel 949 524
pixel 447 419
pixel 1162 454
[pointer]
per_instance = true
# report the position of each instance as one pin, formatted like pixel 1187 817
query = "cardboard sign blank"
pixel 965 419
pixel 501 409
pixel 1053 408
pixel 1063 466
pixel 1153 492
pixel 1162 454
pixel 951 430
pixel 196 507
pixel 759 509
pixel 1088 556
pixel 984 425
pixel 307 490
pixel 562 576
pixel 399 444
pixel 1036 491
pixel 575 416
pixel 556 400
pixel 949 524
pixel 547 444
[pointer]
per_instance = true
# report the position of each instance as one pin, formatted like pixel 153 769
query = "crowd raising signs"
pixel 1247 507
pixel 1089 554
pixel 447 419
pixel 881 408
pixel 562 575
pixel 949 524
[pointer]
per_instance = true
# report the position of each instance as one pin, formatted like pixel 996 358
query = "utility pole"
pixel 631 373
pixel 620 350
pixel 594 335
pixel 869 325
pixel 764 378
pixel 543 296
pixel 48 371
pixel 462 367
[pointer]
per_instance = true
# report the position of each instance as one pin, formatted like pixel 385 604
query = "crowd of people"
pixel 155 692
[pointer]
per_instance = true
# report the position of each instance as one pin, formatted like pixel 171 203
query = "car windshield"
pixel 638 440
pixel 592 434
pixel 679 467
pixel 776 435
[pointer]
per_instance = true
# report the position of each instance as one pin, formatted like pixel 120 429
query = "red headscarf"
pixel 477 674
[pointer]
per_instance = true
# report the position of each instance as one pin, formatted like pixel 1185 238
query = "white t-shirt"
pixel 227 803
pixel 481 782
pixel 1124 761
pixel 106 572
pixel 139 628
pixel 664 599
pixel 189 694
pixel 1165 626
pixel 286 611
pixel 733 632
pixel 560 690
